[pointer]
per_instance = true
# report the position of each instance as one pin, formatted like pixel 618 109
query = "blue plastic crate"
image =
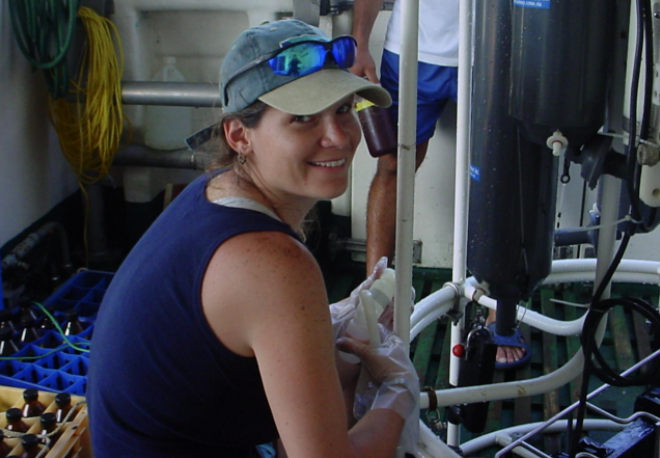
pixel 64 369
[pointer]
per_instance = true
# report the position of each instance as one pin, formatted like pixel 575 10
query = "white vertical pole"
pixel 461 196
pixel 406 167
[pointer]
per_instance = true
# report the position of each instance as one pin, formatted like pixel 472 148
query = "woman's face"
pixel 291 157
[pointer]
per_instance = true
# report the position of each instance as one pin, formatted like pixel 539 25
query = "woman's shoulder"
pixel 262 280
pixel 272 251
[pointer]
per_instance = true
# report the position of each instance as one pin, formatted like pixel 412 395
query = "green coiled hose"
pixel 44 30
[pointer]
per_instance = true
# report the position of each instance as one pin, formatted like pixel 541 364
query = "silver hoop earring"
pixel 242 159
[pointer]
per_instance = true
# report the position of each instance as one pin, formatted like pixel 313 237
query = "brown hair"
pixel 225 156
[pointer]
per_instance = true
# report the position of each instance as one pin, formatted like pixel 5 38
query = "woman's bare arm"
pixel 272 290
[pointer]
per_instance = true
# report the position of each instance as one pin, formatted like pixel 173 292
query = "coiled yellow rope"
pixel 89 123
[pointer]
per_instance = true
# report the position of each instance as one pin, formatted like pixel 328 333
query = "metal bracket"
pixel 455 314
pixel 360 246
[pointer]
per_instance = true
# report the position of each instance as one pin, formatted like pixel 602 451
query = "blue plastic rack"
pixel 64 369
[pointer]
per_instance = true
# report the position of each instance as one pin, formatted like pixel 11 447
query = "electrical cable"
pixel 598 308
pixel 644 42
pixel 65 338
pixel 43 30
pixel 45 311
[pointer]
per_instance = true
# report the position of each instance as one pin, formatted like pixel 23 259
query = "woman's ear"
pixel 236 135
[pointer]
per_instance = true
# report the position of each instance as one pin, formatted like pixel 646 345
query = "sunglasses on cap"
pixel 302 58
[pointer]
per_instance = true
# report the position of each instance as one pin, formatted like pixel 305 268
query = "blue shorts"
pixel 435 85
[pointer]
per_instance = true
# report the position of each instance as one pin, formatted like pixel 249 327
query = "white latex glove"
pixel 388 381
pixel 341 312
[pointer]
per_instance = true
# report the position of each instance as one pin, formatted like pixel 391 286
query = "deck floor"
pixel 626 341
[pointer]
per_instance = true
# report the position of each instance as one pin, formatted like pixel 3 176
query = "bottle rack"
pixel 35 365
pixel 75 439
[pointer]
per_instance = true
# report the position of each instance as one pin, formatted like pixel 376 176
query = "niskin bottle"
pixel 166 127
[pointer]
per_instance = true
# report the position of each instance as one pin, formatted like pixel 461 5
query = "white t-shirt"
pixel 438 32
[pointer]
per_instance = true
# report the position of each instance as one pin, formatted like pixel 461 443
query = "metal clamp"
pixel 433 414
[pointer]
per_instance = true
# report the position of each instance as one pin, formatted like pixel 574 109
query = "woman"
pixel 215 334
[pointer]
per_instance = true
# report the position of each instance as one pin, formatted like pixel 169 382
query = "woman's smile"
pixel 329 163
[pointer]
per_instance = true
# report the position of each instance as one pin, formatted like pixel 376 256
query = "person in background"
pixel 437 84
pixel 215 335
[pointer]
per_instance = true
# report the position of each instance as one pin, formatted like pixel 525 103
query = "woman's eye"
pixel 345 108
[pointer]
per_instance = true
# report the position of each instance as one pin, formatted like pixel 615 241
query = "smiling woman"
pixel 216 335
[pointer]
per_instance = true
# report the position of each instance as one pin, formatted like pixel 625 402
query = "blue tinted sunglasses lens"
pixel 308 57
pixel 343 50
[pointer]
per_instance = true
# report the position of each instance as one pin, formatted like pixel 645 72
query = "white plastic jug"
pixel 165 127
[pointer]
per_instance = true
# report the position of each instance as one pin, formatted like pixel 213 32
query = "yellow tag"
pixel 364 103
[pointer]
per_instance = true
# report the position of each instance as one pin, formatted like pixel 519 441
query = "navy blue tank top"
pixel 160 383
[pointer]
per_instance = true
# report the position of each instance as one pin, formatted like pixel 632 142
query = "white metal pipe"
pixel 406 167
pixel 419 322
pixel 535 319
pixel 505 439
pixel 438 303
pixel 589 265
pixel 620 277
pixel 435 447
pixel 462 189
pixel 609 211
pixel 508 390
pixel 461 193
pixel 430 305
pixel 207 5
pixel 487 440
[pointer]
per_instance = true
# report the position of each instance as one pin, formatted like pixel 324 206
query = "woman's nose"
pixel 339 133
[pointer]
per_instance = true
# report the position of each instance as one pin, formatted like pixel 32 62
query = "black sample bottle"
pixel 26 308
pixel 7 319
pixel 30 443
pixel 29 332
pixel 15 420
pixel 63 401
pixel 5 448
pixel 48 422
pixel 7 345
pixel 33 407
pixel 72 325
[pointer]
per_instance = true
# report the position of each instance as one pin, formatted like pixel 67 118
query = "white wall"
pixel 34 176
pixel 434 181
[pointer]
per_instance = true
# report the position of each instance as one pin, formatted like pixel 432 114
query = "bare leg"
pixel 505 354
pixel 381 208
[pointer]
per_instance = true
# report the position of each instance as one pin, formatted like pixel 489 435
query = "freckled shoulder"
pixel 275 248
pixel 274 261
pixel 269 283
